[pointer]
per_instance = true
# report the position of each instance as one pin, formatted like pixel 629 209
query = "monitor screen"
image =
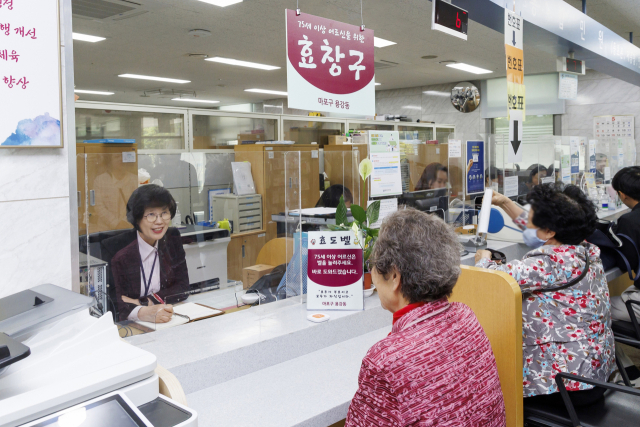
pixel 451 16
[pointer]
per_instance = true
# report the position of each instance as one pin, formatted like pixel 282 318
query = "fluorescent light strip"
pixel 222 3
pixel 437 93
pixel 93 92
pixel 271 92
pixel 412 107
pixel 469 68
pixel 159 79
pixel 377 84
pixel 239 63
pixel 203 101
pixel 87 38
pixel 378 42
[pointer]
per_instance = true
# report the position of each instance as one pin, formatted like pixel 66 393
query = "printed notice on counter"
pixel 548 180
pixel 384 149
pixel 607 173
pixel 574 149
pixel 565 168
pixel 592 155
pixel 334 271
pixel 511 186
pixel 128 157
pixel 387 207
pixel 455 148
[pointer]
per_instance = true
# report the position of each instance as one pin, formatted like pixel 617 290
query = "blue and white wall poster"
pixel 30 79
pixel 475 167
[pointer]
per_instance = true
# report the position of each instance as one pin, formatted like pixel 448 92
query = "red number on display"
pixel 458 22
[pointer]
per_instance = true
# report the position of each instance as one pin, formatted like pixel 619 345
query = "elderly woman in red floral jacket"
pixel 436 366
pixel 566 312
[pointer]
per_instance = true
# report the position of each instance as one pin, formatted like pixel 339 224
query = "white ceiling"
pixel 156 43
pixel 620 16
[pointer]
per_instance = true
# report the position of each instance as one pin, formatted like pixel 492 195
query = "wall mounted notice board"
pixel 30 78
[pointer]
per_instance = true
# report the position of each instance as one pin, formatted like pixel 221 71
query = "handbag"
pixel 611 245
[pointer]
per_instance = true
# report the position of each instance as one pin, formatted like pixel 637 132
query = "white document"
pixel 192 312
pixel 607 173
pixel 128 157
pixel 387 207
pixel 313 211
pixel 568 86
pixel 455 148
pixel 384 149
pixel 515 137
pixel 510 186
pixel 485 212
pixel 242 179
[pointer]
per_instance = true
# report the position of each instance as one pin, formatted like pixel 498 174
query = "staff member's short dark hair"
pixel 534 170
pixel 148 196
pixel 627 181
pixel 566 211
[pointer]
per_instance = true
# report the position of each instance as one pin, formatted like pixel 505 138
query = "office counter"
pixel 270 366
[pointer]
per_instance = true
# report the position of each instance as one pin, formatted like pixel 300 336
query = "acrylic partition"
pixel 341 177
pixel 368 125
pixel 311 130
pixel 293 284
pixel 222 132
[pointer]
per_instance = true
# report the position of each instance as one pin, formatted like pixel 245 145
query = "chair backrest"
pixel 496 300
pixel 276 251
pixel 95 239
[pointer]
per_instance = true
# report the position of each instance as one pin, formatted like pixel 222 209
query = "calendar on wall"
pixel 605 127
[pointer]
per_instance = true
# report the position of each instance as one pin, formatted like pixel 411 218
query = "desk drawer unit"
pixel 244 211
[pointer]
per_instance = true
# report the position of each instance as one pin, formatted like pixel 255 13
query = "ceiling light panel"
pixel 158 79
pixel 87 38
pixel 222 3
pixel 239 63
pixel 202 101
pixel 270 92
pixel 412 107
pixel 377 84
pixel 93 92
pixel 469 68
pixel 378 42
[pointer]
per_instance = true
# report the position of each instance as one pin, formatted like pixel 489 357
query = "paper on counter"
pixel 387 207
pixel 510 186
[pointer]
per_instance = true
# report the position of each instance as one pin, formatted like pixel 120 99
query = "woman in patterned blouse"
pixel 436 366
pixel 567 330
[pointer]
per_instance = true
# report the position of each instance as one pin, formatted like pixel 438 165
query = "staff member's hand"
pixel 480 255
pixel 160 313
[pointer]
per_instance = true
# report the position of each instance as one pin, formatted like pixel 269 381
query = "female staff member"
pixel 564 328
pixel 434 176
pixel 408 377
pixel 150 272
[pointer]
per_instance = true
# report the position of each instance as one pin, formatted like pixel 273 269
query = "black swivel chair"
pixel 620 406
pixel 624 329
pixel 104 245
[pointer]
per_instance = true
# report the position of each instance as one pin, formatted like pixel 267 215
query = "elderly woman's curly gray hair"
pixel 424 250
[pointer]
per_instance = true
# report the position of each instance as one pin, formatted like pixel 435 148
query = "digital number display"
pixel 451 16
pixel 574 66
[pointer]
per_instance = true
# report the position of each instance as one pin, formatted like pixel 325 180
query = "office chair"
pixel 624 329
pixel 619 407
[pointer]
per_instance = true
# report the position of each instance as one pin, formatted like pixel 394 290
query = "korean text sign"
pixel 330 65
pixel 334 271
pixel 30 81
pixel 475 167
pixel 384 153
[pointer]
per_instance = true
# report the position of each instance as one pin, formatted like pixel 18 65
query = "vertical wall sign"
pixel 329 65
pixel 334 271
pixel 513 25
pixel 475 167
pixel 30 79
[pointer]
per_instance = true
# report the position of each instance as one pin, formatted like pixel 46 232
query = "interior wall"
pixel 429 103
pixel 599 95
pixel 35 203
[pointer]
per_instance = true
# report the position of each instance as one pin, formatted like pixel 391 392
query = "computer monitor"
pixel 427 200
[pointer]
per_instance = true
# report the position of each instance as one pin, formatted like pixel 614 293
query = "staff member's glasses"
pixel 152 217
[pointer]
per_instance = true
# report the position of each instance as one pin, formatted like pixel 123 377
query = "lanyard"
pixel 427 316
pixel 144 279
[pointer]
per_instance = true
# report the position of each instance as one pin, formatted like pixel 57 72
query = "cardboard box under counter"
pixel 251 275
pixel 337 140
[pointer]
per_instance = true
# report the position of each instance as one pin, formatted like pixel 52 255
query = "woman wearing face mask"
pixel 564 329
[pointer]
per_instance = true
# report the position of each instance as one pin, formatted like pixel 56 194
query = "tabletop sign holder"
pixel 335 271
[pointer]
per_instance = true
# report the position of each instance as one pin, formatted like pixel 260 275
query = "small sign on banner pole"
pixel 335 271
pixel 330 65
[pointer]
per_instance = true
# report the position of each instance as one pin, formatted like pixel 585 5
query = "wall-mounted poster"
pixel 329 65
pixel 30 79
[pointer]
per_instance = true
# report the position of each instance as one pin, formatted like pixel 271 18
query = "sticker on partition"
pixel 314 154
pixel 128 157
pixel 271 154
pixel 455 148
pixel 511 186
pixel 607 173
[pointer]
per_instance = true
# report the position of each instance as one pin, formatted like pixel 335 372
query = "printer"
pixel 61 367
pixel 206 254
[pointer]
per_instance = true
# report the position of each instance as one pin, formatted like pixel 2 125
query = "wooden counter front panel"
pixel 252 243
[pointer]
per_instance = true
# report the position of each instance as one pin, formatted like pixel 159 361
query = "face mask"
pixel 531 239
